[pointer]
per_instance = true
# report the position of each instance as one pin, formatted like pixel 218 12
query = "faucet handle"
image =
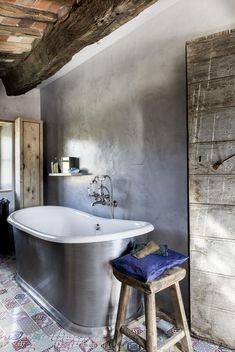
pixel 91 188
pixel 89 191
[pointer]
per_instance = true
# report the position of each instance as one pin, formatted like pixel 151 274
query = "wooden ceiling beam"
pixel 20 31
pixel 22 12
pixel 87 22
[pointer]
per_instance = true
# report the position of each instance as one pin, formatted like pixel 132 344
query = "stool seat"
pixel 169 279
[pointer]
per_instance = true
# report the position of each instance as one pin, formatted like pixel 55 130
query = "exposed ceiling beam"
pixel 22 12
pixel 87 22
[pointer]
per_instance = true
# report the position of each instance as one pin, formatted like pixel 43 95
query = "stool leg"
pixel 181 320
pixel 121 315
pixel 150 322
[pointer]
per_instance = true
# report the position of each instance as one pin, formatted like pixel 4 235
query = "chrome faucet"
pixel 97 202
pixel 102 194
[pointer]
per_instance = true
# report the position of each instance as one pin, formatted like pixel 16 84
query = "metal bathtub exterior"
pixel 73 281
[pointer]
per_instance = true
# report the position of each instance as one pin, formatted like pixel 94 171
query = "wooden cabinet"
pixel 28 163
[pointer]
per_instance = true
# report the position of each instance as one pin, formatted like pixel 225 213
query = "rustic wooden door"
pixel 28 163
pixel 211 120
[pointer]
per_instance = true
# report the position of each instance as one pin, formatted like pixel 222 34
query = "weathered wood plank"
pixel 22 12
pixel 212 189
pixel 150 322
pixel 214 94
pixel 28 162
pixel 166 280
pixel 214 324
pixel 211 107
pixel 81 28
pixel 202 157
pixel 180 317
pixel 207 48
pixel 215 291
pixel 172 341
pixel 217 67
pixel 212 221
pixel 213 255
pixel 207 126
pixel 206 38
pixel 31 152
pixel 19 48
pixel 20 31
pixel 13 55
pixel 121 314
pixel 133 336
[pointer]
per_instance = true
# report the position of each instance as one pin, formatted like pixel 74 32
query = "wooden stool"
pixel 170 279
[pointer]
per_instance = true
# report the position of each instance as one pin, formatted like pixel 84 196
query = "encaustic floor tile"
pixel 42 319
pixel 31 308
pixel 25 327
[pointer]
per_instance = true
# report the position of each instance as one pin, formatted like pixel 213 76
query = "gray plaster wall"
pixel 123 113
pixel 25 105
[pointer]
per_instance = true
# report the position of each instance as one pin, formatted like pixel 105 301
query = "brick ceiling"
pixel 38 37
pixel 22 25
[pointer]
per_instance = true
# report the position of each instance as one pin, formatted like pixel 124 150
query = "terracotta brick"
pixel 11 1
pixel 3 38
pixel 54 7
pixel 41 4
pixel 39 25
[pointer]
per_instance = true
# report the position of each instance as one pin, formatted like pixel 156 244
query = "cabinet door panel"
pixel 28 163
pixel 31 167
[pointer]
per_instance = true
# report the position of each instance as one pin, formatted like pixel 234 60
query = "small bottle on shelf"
pixel 55 166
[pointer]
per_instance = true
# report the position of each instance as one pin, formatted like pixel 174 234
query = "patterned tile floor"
pixel 25 327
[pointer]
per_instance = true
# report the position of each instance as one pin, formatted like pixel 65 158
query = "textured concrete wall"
pixel 123 113
pixel 26 105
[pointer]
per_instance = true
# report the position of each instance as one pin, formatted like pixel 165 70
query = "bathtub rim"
pixel 144 229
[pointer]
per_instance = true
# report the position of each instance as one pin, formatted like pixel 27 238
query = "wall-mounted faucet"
pixel 102 194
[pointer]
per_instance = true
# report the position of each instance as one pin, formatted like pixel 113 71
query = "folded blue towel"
pixel 74 170
pixel 150 267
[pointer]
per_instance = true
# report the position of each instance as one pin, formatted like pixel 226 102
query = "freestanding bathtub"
pixel 63 261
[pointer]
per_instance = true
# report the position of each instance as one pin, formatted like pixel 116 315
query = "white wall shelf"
pixel 65 174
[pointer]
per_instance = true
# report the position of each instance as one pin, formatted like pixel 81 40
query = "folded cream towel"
pixel 150 248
